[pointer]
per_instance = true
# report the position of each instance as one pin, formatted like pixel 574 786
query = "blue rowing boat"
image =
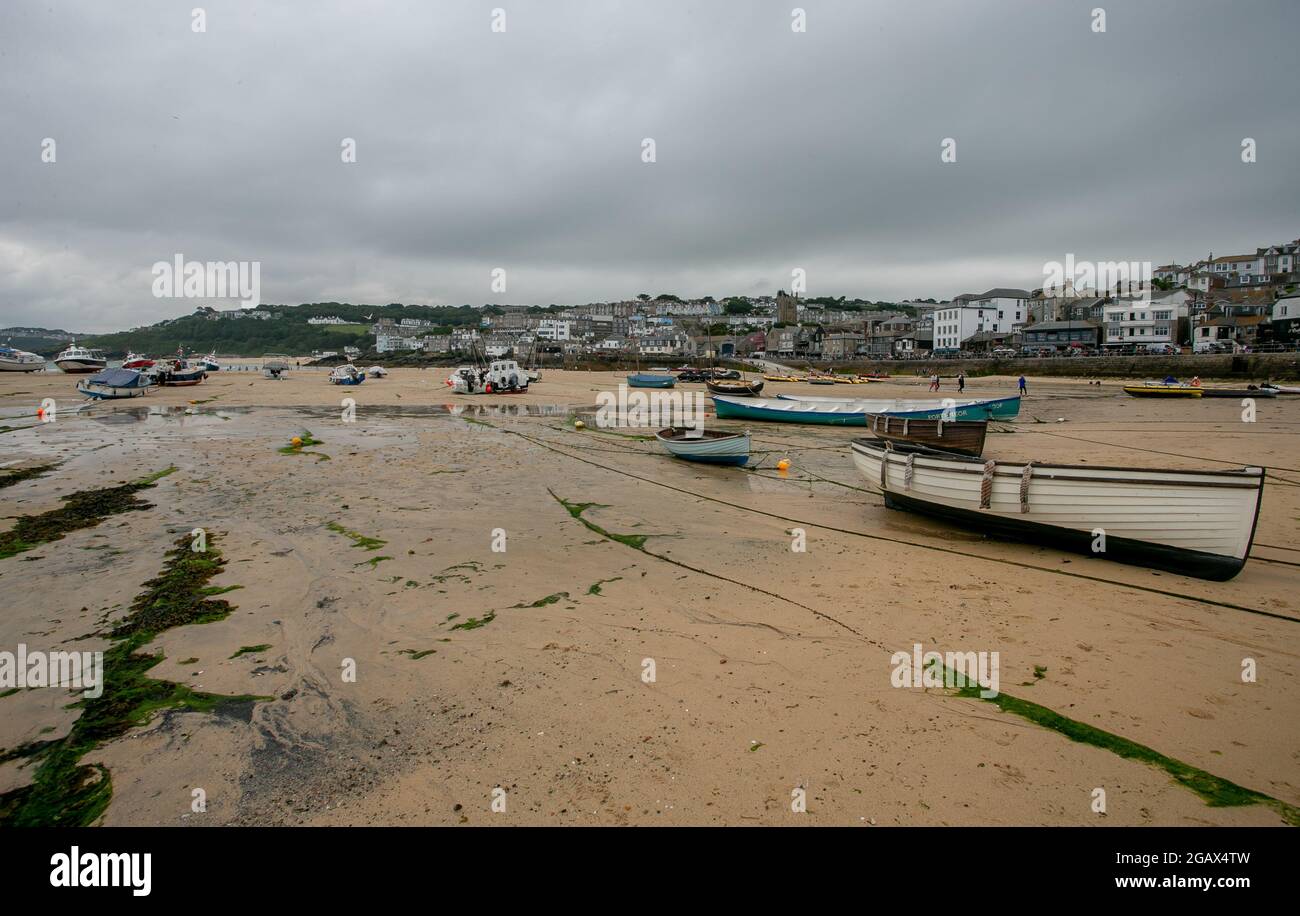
pixel 646 380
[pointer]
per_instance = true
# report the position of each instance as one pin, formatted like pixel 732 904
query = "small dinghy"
pixel 646 380
pixel 347 374
pixel 377 372
pixel 962 437
pixel 111 384
pixel 1195 523
pixel 275 367
pixel 741 388
pixel 1280 389
pixel 710 446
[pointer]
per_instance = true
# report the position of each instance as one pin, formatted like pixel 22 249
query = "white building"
pixel 1149 322
pixel 554 329
pixel 1000 310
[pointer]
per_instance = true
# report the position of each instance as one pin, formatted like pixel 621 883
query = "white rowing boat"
pixel 1197 523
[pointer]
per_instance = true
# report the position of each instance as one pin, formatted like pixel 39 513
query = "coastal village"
pixel 1216 305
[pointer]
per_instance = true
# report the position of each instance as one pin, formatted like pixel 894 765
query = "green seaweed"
pixel 249 650
pixel 375 561
pixel 1213 790
pixel 595 588
pixel 473 623
pixel 635 541
pixel 65 792
pixel 83 509
pixel 543 602
pixel 17 475
pixel 359 540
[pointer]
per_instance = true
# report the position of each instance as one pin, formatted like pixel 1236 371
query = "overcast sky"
pixel 522 150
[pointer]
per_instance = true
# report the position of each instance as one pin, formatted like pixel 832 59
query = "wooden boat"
pixel 1195 523
pixel 1163 391
pixel 1007 408
pixel 964 437
pixel 1250 391
pixel 782 378
pixel 645 380
pixel 710 446
pixel 741 389
pixel 111 384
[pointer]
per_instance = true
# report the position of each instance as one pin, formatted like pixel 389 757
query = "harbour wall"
pixel 1247 367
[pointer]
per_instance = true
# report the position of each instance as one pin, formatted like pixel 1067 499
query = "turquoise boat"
pixel 645 380
pixel 854 412
pixel 1007 408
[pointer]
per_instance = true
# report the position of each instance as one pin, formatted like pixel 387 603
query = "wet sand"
pixel 772 666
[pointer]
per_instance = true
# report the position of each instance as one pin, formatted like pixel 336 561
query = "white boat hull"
pixel 1191 522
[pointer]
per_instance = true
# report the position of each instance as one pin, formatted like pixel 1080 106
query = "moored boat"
pixel 111 384
pixel 208 363
pixel 14 360
pixel 136 361
pixel 646 380
pixel 347 374
pixel 738 387
pixel 275 366
pixel 1195 523
pixel 377 372
pixel 964 437
pixel 1163 391
pixel 177 373
pixel 75 360
pixel 783 378
pixel 710 446
pixel 1007 408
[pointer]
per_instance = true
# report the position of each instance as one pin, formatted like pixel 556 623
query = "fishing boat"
pixel 1007 408
pixel 377 372
pixel 13 360
pixel 501 376
pixel 111 384
pixel 646 380
pixel 209 363
pixel 177 373
pixel 964 437
pixel 1195 523
pixel 1250 391
pixel 136 361
pixel 710 446
pixel 1161 390
pixel 739 388
pixel 347 374
pixel 77 359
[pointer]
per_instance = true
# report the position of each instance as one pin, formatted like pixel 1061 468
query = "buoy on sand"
pixel 296 442
pixel 578 424
pixel 783 464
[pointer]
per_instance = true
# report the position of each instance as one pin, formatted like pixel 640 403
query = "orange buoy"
pixel 296 442
pixel 40 412
pixel 783 464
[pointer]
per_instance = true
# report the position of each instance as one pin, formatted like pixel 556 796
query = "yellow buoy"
pixel 296 442
pixel 579 425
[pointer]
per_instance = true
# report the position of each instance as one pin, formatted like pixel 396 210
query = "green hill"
pixel 290 333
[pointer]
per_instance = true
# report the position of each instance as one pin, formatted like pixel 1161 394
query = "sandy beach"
pixel 524 668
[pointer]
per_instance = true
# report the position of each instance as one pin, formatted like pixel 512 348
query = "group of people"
pixel 961 383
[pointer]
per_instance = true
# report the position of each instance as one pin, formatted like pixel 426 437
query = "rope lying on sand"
pixel 901 541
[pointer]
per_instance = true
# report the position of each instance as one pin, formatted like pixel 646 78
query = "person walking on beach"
pixel 961 382
pixel 1023 389
pixel 934 382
